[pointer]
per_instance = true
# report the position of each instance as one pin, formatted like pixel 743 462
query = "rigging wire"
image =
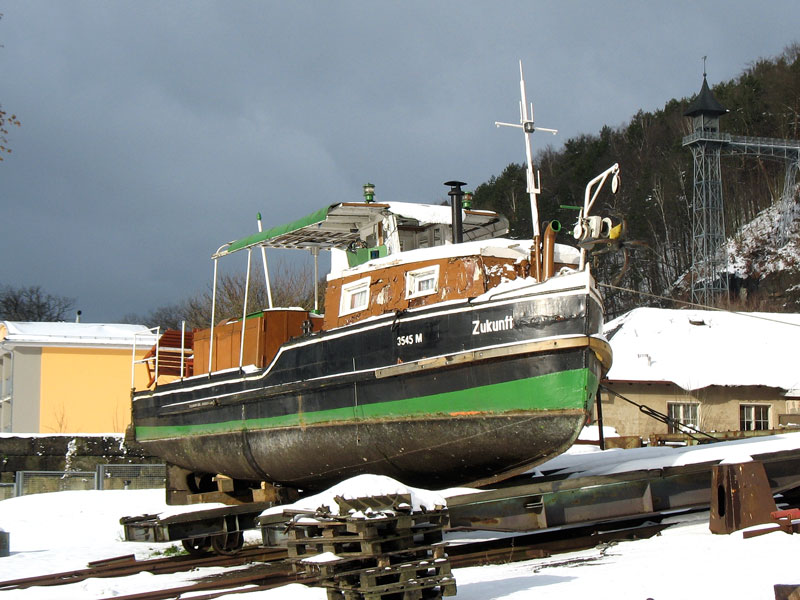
pixel 694 304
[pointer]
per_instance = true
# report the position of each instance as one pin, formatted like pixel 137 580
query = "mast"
pixel 528 127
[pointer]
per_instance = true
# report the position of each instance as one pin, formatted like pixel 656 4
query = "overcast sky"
pixel 153 132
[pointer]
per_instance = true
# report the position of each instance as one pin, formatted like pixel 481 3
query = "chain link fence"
pixel 106 477
pixel 41 482
pixel 131 477
pixel 6 490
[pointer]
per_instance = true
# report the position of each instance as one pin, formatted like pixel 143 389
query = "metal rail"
pixel 123 566
pixel 263 576
pixel 582 500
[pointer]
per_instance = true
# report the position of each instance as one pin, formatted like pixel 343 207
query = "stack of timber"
pixel 380 550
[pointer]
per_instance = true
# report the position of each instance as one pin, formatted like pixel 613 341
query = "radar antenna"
pixel 527 126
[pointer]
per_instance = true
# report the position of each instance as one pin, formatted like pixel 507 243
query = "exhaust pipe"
pixel 548 249
pixel 456 194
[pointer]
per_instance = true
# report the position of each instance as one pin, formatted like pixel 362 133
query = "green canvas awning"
pixel 334 226
pixel 337 225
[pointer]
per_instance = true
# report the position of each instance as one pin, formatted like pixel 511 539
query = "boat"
pixel 447 353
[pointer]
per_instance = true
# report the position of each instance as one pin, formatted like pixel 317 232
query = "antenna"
pixel 528 127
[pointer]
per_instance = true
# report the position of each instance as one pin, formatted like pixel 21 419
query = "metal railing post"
pixel 213 316
pixel 183 344
pixel 158 347
pixel 244 306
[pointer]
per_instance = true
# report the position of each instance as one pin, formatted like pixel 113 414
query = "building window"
pixel 422 282
pixel 355 296
pixel 684 413
pixel 753 417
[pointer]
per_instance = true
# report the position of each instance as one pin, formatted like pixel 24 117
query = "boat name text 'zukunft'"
pixel 487 326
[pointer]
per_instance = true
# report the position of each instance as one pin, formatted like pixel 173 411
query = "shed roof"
pixel 27 333
pixel 697 348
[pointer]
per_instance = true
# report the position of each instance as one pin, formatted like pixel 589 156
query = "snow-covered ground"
pixel 65 530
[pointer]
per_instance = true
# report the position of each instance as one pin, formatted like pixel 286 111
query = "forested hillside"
pixel 656 193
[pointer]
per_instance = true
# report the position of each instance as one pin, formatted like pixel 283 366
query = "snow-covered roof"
pixel 427 214
pixel 25 333
pixel 697 348
pixel 338 225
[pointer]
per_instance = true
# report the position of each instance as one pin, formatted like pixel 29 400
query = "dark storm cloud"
pixel 153 132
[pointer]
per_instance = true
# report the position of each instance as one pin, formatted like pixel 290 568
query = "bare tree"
pixel 290 287
pixel 6 120
pixel 33 304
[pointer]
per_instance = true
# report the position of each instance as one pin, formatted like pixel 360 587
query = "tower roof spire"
pixel 705 102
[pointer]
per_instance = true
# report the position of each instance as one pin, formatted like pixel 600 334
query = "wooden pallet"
pixel 383 550
pixel 381 576
pixel 428 588
pixel 368 528
pixel 348 546
pixel 335 568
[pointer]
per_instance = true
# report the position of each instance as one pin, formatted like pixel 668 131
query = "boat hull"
pixel 454 395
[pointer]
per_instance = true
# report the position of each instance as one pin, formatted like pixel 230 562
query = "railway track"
pixel 267 568
pixel 122 566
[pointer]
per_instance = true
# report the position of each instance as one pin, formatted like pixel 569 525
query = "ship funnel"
pixel 456 195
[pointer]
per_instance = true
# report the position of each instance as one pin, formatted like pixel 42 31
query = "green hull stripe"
pixel 565 390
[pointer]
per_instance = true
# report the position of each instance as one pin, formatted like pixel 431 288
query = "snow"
pixel 497 247
pixel 64 530
pixel 74 334
pixel 698 348
pixel 585 461
pixel 565 281
pixel 429 214
pixel 766 245
pixel 361 486
pixel 685 561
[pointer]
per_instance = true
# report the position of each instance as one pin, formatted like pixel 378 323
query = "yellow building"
pixel 68 377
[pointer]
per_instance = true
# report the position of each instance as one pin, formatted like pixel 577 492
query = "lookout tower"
pixel 707 143
pixel 708 227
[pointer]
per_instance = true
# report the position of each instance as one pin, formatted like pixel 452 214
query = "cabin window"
pixel 422 282
pixel 355 296
pixel 753 417
pixel 684 413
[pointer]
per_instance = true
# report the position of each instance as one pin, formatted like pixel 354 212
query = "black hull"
pixel 437 397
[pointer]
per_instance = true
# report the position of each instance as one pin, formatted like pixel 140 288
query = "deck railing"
pixel 171 354
pixel 152 331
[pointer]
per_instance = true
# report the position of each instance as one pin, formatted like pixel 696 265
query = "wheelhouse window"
pixel 753 417
pixel 682 412
pixel 422 282
pixel 355 296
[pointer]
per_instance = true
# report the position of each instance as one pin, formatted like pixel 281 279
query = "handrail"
pixel 149 331
pixel 183 347
pixel 172 353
